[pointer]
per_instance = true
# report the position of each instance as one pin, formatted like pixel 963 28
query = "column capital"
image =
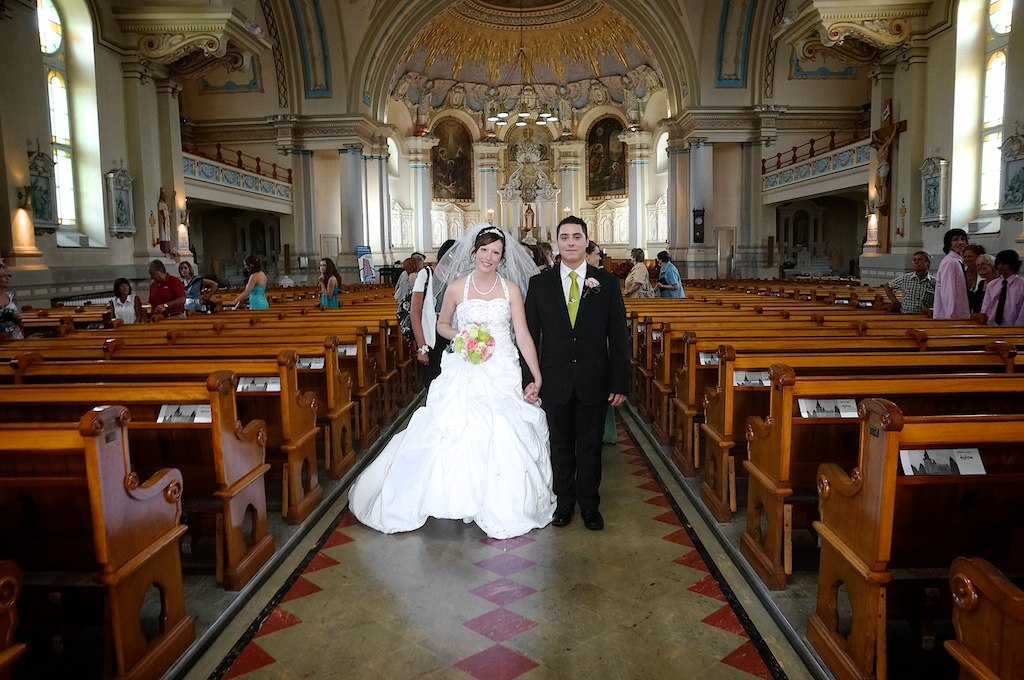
pixel 636 138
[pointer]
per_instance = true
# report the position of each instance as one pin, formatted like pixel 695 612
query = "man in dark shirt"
pixel 166 293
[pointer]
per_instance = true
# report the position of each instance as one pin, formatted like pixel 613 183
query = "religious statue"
pixel 529 218
pixel 630 101
pixel 564 109
pixel 163 221
pixel 423 108
pixel 882 140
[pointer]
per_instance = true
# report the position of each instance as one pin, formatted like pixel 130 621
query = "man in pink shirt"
pixel 950 281
pixel 1004 297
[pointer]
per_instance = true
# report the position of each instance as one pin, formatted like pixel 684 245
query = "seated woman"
pixel 329 280
pixel 255 287
pixel 197 289
pixel 126 306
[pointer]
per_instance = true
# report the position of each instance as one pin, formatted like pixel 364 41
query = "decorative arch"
pixel 595 114
pixel 659 21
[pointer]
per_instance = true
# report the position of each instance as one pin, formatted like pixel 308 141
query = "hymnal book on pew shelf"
pixel 259 384
pixel 184 413
pixel 310 362
pixel 708 358
pixel 828 408
pixel 942 462
pixel 749 378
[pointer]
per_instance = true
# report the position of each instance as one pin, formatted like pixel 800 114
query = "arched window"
pixel 52 44
pixel 998 37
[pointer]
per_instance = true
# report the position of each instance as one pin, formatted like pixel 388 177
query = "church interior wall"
pixel 724 212
pixel 327 205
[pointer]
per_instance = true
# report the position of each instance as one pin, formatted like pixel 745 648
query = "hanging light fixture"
pixel 518 115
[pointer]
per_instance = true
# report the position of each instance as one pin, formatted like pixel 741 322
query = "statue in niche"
pixel 529 218
pixel 630 101
pixel 564 109
pixel 163 221
pixel 423 108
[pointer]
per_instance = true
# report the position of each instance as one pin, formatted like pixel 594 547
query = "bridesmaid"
pixel 255 287
pixel 329 279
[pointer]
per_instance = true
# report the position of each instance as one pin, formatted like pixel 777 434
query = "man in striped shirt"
pixel 918 286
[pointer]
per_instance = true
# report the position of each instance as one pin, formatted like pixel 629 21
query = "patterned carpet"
pixel 640 599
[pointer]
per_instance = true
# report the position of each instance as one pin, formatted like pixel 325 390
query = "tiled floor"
pixel 637 600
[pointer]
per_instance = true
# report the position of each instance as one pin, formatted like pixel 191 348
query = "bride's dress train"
pixel 477 451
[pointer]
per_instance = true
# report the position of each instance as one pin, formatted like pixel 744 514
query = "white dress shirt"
pixel 581 275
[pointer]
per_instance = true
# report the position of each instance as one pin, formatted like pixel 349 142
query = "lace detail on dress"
pixel 494 315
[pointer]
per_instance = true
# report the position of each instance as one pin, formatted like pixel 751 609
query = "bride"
pixel 478 450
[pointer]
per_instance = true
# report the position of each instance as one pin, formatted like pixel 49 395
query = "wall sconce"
pixel 25 198
pixel 490 215
pixel 566 211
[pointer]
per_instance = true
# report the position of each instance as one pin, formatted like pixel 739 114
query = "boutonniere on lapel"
pixel 590 285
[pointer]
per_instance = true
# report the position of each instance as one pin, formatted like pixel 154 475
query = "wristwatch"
pixel 423 350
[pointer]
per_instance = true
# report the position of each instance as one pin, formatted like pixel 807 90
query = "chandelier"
pixel 528 101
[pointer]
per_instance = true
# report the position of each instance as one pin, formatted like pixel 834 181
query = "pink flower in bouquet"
pixel 471 344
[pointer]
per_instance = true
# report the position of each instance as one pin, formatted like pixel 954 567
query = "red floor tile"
pixel 725 618
pixel 279 619
pixel 336 539
pixel 680 537
pixel 301 588
pixel 500 625
pixel 643 472
pixel 708 587
pixel 746 658
pixel 348 520
pixel 669 518
pixel 251 658
pixel 496 663
pixel 320 561
pixel 503 591
pixel 650 486
pixel 659 500
pixel 692 560
pixel 508 543
pixel 505 564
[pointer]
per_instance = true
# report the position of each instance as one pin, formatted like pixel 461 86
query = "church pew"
pixel 728 405
pixel 988 616
pixel 71 502
pixel 333 388
pixel 785 448
pixel 222 462
pixel 289 414
pixel 10 587
pixel 877 523
pixel 692 378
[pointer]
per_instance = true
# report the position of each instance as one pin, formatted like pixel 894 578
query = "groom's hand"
pixel 616 399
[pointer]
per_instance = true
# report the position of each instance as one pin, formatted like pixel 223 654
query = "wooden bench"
pixel 71 502
pixel 988 616
pixel 221 461
pixel 877 519
pixel 10 587
pixel 289 413
pixel 786 448
pixel 728 404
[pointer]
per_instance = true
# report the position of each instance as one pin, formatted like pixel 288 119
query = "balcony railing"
pixel 215 151
pixel 836 139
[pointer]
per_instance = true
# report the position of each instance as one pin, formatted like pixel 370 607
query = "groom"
pixel 578 322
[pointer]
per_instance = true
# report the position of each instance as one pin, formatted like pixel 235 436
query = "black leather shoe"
pixel 593 520
pixel 561 518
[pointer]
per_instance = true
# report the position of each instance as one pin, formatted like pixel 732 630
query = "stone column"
pixel 750 246
pixel 570 176
pixel 881 89
pixel 638 145
pixel 378 202
pixel 353 203
pixel 700 256
pixel 144 160
pixel 419 163
pixel 171 171
pixel 486 158
pixel 303 191
pixel 911 84
pixel 678 195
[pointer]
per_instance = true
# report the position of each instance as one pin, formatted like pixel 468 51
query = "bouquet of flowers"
pixel 474 343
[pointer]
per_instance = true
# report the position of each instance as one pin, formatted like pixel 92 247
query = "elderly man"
pixel 918 286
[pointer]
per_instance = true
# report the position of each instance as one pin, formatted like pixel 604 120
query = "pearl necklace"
pixel 479 292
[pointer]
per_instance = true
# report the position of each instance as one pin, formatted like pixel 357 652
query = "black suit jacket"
pixel 593 356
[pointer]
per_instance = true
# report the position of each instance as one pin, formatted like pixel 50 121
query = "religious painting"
pixel 1012 189
pixel 606 160
pixel 120 208
pixel 452 158
pixel 934 192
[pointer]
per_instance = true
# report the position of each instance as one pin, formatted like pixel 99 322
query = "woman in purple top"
pixel 950 281
pixel 1004 296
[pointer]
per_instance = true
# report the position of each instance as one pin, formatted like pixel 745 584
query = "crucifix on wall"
pixel 882 141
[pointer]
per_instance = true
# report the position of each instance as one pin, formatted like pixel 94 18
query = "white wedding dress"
pixel 477 451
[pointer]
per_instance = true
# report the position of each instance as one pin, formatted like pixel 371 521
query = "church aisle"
pixel 636 600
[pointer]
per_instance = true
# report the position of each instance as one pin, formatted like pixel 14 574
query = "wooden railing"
pixel 815 147
pixel 215 151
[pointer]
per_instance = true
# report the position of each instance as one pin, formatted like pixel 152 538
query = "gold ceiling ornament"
pixel 592 34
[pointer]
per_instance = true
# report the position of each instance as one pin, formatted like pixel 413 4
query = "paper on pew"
pixel 347 350
pixel 259 384
pixel 828 408
pixel 708 358
pixel 184 413
pixel 747 378
pixel 656 335
pixel 310 362
pixel 965 461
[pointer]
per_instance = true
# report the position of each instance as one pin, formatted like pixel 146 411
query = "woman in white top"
pixel 126 305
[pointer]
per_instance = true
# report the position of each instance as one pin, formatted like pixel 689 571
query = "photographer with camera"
pixel 10 315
